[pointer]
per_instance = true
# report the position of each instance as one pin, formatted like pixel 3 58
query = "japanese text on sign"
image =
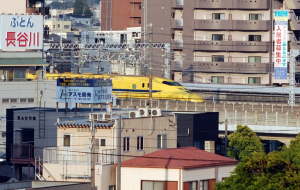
pixel 281 44
pixel 84 90
pixel 21 32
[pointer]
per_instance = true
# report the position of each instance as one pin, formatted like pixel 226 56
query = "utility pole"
pixel 93 152
pixel 119 160
pixel 226 134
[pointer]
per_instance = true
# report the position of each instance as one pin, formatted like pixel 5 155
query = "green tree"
pixel 243 142
pixel 259 171
pixel 81 8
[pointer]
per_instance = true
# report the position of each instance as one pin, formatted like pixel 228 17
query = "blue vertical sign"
pixel 281 18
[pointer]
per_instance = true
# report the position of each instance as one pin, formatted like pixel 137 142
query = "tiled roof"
pixel 84 124
pixel 179 158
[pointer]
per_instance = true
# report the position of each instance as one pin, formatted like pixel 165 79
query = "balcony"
pixel 177 23
pixel 241 25
pixel 232 4
pixel 178 4
pixel 292 4
pixel 58 155
pixel 177 65
pixel 177 44
pixel 232 46
pixel 231 67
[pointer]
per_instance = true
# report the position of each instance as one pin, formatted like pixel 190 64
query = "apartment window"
pixel 66 26
pixel 217 37
pixel 254 38
pixel 102 142
pixel 255 16
pixel 3 134
pixel 135 34
pixel 13 100
pixel 217 79
pixel 30 100
pixel 23 100
pixel 218 16
pixel 192 185
pixel 254 59
pixel 67 140
pixel 140 143
pixel 153 185
pixel 161 141
pixel 203 185
pixel 5 100
pixel 217 58
pixel 126 143
pixel 253 80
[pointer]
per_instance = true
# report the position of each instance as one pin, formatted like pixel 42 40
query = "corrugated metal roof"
pixel 85 124
pixel 177 158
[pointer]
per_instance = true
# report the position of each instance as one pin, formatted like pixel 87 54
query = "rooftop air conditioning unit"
pixel 134 114
pixel 143 112
pixel 155 112
pixel 95 116
pixel 106 117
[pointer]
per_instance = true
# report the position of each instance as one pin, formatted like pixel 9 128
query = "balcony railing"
pixel 232 4
pixel 257 25
pixel 58 155
pixel 233 46
pixel 177 44
pixel 232 67
pixel 178 3
pixel 177 23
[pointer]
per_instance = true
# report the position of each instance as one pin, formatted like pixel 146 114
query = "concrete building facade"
pixel 120 14
pixel 226 41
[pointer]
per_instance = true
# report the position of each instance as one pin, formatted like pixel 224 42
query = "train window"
pixel 133 86
pixel 143 85
pixel 171 83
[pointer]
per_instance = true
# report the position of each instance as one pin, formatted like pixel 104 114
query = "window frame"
pixel 213 58
pixel 255 59
pixel 140 143
pixel 162 141
pixel 214 35
pixel 254 38
pixel 213 16
pixel 64 145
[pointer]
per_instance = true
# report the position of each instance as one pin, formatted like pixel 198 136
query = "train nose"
pixel 195 98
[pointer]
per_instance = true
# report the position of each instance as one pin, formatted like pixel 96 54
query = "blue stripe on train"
pixel 133 90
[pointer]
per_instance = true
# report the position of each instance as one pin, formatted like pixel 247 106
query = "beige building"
pixel 70 159
pixel 58 26
pixel 14 6
pixel 220 41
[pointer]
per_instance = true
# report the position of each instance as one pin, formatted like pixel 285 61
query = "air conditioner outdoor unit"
pixel 143 112
pixel 95 116
pixel 106 116
pixel 134 114
pixel 156 112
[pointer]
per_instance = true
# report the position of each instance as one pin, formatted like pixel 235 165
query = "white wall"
pixel 131 177
pixel 218 173
pixel 13 6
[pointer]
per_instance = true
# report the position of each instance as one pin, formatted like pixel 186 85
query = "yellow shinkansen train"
pixel 135 86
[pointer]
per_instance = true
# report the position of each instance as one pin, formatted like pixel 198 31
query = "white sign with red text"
pixel 21 32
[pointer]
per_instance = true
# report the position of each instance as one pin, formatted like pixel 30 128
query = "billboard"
pixel 281 18
pixel 86 91
pixel 21 32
